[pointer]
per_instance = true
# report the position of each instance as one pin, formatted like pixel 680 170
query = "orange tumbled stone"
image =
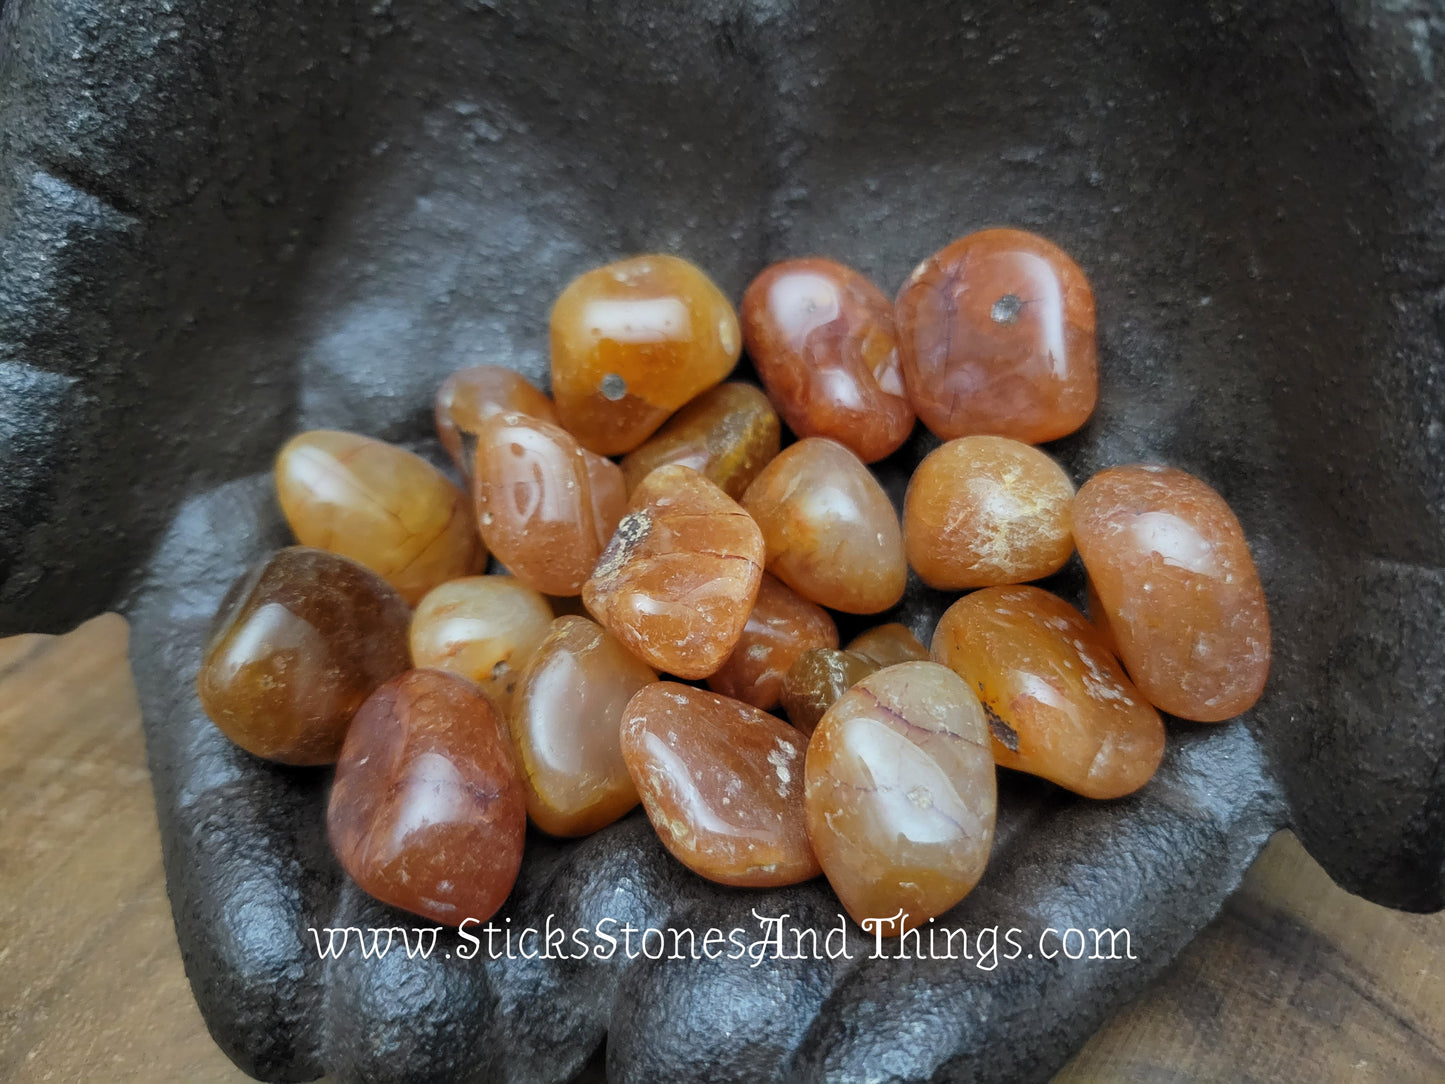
pixel 886 645
pixel 1058 703
pixel 484 628
pixel 821 337
pixel 679 578
pixel 831 532
pixel 983 511
pixel 380 505
pixel 727 434
pixel 546 505
pixel 901 796
pixel 565 724
pixel 470 396
pixel 297 644
pixel 817 679
pixel 722 783
pixel 1178 589
pixel 632 342
pixel 996 335
pixel 426 811
pixel 781 627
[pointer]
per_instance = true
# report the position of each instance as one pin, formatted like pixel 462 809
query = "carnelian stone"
pixel 901 796
pixel 565 724
pixel 632 342
pixel 722 783
pixel 821 337
pixel 1178 589
pixel 781 627
pixel 817 679
pixel 470 396
pixel 380 505
pixel 996 335
pixel 1057 701
pixel 832 534
pixel 484 628
pixel 426 811
pixel 546 505
pixel 983 511
pixel 679 578
pixel 885 645
pixel 298 643
pixel 727 434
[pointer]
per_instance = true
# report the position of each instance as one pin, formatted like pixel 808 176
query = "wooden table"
pixel 1295 981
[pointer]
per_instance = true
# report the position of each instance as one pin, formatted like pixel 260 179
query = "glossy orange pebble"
pixel 565 723
pixel 470 396
pixel 1057 701
pixel 722 783
pixel 821 337
pixel 426 810
pixel 380 505
pixel 727 434
pixel 484 628
pixel 996 335
pixel 901 796
pixel 984 511
pixel 679 578
pixel 780 628
pixel 832 533
pixel 298 643
pixel 885 645
pixel 1178 589
pixel 632 342
pixel 546 506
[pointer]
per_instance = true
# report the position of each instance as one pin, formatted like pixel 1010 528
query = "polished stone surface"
pixel 901 796
pixel 996 335
pixel 1058 703
pixel 426 810
pixel 678 580
pixel 1177 586
pixel 380 505
pixel 297 644
pixel 821 336
pixel 632 342
pixel 722 783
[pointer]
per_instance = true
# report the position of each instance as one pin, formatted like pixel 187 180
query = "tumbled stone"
pixel 426 810
pixel 1178 589
pixel 722 783
pixel 781 627
pixel 470 396
pixel 566 721
pixel 380 505
pixel 821 337
pixel 727 434
pixel 632 342
pixel 545 505
pixel 817 679
pixel 299 641
pixel 885 645
pixel 832 534
pixel 901 796
pixel 679 578
pixel 1058 703
pixel 484 628
pixel 984 511
pixel 996 335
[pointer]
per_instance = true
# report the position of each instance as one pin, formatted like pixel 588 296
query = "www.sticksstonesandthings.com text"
pixel 774 938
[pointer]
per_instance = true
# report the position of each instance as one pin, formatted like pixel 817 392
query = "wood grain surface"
pixel 1295 981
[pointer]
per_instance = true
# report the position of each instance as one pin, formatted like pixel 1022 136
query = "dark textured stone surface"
pixel 223 223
